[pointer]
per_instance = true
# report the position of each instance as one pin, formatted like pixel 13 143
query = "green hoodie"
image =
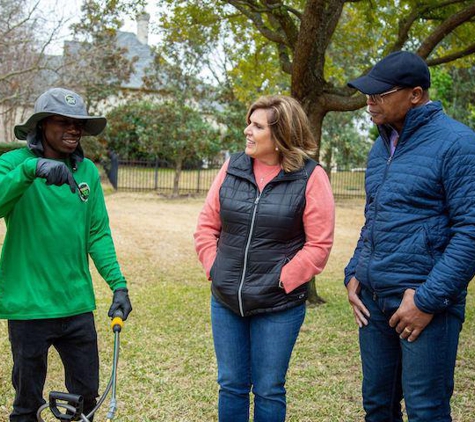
pixel 51 232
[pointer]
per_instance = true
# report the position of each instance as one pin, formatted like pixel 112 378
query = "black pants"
pixel 75 339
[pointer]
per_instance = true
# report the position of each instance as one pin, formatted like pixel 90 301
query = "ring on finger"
pixel 407 330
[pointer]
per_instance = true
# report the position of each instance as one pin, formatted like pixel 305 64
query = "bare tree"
pixel 94 65
pixel 24 38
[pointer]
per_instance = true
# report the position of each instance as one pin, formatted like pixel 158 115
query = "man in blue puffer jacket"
pixel 407 280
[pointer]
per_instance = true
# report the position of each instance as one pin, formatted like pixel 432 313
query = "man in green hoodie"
pixel 53 205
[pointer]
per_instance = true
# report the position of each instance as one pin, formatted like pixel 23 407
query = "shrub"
pixel 9 146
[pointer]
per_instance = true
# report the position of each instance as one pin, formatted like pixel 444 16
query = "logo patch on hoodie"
pixel 84 191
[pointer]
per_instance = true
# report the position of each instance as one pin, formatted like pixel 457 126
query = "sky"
pixel 70 11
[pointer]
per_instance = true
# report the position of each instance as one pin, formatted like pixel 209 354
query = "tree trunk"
pixel 313 298
pixel 316 113
pixel 327 161
pixel 176 180
pixel 316 117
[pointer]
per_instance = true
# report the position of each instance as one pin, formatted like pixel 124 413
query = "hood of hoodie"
pixel 35 144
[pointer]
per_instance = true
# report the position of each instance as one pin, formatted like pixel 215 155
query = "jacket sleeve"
pixel 319 224
pixel 350 269
pixel 101 246
pixel 451 274
pixel 15 179
pixel 377 149
pixel 208 228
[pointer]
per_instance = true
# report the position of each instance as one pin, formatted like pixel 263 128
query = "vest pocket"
pixel 279 283
pixel 212 268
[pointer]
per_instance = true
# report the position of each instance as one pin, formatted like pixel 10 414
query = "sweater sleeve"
pixel 14 181
pixel 319 224
pixel 101 245
pixel 209 224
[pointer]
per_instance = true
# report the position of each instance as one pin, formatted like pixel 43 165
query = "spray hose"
pixel 117 325
pixel 73 404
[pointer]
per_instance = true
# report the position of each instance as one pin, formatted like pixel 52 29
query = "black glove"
pixel 55 173
pixel 120 302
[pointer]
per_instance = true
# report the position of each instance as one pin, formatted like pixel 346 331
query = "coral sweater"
pixel 318 220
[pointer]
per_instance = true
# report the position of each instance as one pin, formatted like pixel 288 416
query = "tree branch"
pixel 405 24
pixel 282 21
pixel 275 5
pixel 453 56
pixel 20 23
pixel 295 12
pixel 339 103
pixel 256 18
pixel 285 62
pixel 446 27
pixel 13 73
pixel 318 25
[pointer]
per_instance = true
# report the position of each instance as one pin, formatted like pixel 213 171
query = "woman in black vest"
pixel 265 230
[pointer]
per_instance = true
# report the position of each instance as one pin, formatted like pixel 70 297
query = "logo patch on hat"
pixel 84 191
pixel 70 100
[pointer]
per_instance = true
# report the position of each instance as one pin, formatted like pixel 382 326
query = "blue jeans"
pixel 253 352
pixel 421 371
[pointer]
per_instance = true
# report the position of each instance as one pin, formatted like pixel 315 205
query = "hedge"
pixel 9 146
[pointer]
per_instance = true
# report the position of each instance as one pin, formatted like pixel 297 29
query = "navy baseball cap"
pixel 401 69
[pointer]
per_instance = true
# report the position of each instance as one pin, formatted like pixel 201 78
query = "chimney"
pixel 143 20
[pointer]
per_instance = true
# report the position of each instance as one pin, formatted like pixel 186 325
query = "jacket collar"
pixel 415 118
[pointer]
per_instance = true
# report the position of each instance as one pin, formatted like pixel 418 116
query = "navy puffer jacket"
pixel 420 213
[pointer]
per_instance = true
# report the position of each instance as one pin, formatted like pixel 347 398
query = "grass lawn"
pixel 167 367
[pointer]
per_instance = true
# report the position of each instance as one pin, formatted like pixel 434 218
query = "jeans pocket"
pixel 389 305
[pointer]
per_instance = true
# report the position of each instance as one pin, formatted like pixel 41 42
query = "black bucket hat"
pixel 399 69
pixel 61 102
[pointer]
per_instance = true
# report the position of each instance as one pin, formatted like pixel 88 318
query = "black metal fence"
pixel 159 176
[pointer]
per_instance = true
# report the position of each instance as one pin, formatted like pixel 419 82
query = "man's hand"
pixel 120 302
pixel 55 173
pixel 359 310
pixel 408 320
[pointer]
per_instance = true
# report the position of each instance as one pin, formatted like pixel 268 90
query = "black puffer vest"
pixel 260 233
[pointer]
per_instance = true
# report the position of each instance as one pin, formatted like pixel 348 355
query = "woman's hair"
pixel 290 129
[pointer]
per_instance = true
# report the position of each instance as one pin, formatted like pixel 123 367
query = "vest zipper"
pixel 246 250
